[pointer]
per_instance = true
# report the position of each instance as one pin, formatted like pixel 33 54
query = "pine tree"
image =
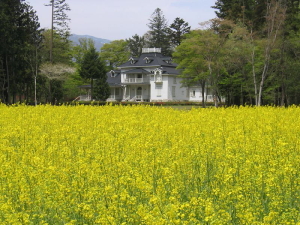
pixel 59 22
pixel 177 29
pixel 92 68
pixel 135 45
pixel 19 35
pixel 159 32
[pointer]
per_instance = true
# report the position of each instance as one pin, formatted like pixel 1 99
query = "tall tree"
pixel 248 12
pixel 18 33
pixel 159 32
pixel 177 29
pixel 135 44
pixel 197 59
pixel 59 22
pixel 56 74
pixel 275 17
pixel 92 68
pixel 79 51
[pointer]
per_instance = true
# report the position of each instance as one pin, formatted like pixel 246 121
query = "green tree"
pixel 135 44
pixel 61 51
pixel 92 68
pixel 56 74
pixel 59 23
pixel 236 82
pixel 158 33
pixel 177 29
pixel 248 12
pixel 195 57
pixel 115 53
pixel 272 25
pixel 74 80
pixel 79 51
pixel 18 34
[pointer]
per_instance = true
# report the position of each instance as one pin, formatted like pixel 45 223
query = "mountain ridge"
pixel 99 42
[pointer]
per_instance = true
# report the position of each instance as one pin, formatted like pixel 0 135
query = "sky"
pixel 121 19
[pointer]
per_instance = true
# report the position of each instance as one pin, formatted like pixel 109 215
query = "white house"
pixel 151 77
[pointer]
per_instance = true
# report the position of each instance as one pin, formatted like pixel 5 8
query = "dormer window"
pixel 167 60
pixel 148 60
pixel 132 60
pixel 112 73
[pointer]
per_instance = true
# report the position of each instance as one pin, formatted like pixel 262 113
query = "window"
pixel 193 93
pixel 158 90
pixel 173 91
pixel 174 80
pixel 117 91
pixel 158 78
pixel 139 91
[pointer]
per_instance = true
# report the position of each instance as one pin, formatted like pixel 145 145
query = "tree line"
pixel 42 66
pixel 249 54
pixel 39 66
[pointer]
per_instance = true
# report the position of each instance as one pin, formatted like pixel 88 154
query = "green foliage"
pixel 101 89
pixel 115 53
pixel 158 34
pixel 93 68
pixel 80 50
pixel 19 39
pixel 135 45
pixel 177 30
pixel 61 50
pixel 60 18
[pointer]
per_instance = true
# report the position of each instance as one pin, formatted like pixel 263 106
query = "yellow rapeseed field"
pixel 149 165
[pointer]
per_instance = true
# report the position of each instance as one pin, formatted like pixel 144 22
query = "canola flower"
pixel 149 165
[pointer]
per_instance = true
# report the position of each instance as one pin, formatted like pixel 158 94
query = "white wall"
pixel 159 88
pixel 180 92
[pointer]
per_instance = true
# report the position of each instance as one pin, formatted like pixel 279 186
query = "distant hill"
pixel 99 42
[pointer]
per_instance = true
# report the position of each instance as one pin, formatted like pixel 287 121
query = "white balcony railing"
pixel 136 98
pixel 150 50
pixel 136 80
pixel 84 98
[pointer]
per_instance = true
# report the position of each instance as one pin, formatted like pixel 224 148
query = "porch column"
pixel 124 92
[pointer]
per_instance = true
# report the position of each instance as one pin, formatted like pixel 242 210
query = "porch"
pixel 134 93
pixel 136 76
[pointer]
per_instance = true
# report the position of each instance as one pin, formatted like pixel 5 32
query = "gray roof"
pixel 114 79
pixel 157 59
pixel 170 70
pixel 137 71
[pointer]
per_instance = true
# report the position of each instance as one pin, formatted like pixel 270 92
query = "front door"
pixel 139 93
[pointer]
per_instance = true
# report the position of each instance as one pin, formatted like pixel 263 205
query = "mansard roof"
pixel 170 70
pixel 137 71
pixel 149 59
pixel 114 78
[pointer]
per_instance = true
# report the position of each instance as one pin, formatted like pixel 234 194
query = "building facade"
pixel 151 77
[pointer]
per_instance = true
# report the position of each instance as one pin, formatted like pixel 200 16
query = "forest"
pixel 249 53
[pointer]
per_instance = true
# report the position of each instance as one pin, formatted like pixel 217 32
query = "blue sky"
pixel 121 19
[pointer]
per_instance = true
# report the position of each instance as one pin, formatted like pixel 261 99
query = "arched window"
pixel 139 91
